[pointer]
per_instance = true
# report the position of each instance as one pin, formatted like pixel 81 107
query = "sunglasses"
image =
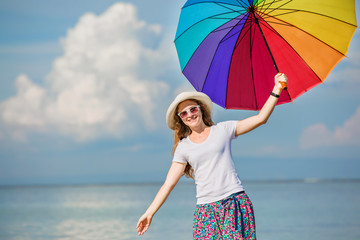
pixel 193 110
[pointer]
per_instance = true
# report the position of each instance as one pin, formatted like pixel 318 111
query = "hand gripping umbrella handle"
pixel 283 85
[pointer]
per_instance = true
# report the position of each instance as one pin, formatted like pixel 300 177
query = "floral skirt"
pixel 230 218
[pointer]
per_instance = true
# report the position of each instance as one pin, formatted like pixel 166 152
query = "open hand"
pixel 143 224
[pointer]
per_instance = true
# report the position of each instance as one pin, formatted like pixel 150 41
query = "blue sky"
pixel 85 87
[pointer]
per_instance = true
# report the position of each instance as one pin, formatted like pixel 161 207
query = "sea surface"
pixel 284 210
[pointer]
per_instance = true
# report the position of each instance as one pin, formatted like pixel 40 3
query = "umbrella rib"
pixel 274 31
pixel 273 9
pixel 218 30
pixel 207 74
pixel 241 4
pixel 224 39
pixel 323 15
pixel 207 2
pixel 274 1
pixel 290 25
pixel 211 17
pixel 251 62
pixel 270 28
pixel 236 45
pixel 224 6
pixel 199 46
pixel 268 47
pixel 219 18
pixel 262 34
pixel 286 13
pixel 221 29
pixel 283 24
pixel 286 89
pixel 238 42
pixel 263 4
pixel 270 4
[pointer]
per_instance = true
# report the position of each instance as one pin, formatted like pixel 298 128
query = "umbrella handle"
pixel 283 85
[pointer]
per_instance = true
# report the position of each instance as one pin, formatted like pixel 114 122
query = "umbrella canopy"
pixel 231 49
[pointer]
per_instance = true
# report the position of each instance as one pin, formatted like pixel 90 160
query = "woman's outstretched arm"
pixel 175 172
pixel 249 124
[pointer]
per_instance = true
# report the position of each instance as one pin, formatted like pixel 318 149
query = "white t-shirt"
pixel 215 174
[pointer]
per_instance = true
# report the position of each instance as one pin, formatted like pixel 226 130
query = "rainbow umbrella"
pixel 231 49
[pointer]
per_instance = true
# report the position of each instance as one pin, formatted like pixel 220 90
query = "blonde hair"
pixel 182 131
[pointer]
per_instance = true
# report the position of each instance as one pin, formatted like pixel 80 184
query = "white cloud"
pixel 26 107
pixel 103 84
pixel 344 80
pixel 318 135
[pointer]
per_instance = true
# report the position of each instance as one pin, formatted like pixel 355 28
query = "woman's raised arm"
pixel 175 172
pixel 249 124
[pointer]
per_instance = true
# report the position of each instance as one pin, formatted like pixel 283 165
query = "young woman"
pixel 202 151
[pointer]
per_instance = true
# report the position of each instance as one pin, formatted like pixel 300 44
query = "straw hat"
pixel 170 114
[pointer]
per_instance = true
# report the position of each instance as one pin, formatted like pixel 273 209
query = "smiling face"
pixel 191 120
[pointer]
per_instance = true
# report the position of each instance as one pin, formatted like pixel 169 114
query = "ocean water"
pixel 283 211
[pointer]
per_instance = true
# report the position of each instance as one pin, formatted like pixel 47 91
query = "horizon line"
pixel 185 181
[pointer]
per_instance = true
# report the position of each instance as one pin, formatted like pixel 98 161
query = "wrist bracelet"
pixel 274 94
